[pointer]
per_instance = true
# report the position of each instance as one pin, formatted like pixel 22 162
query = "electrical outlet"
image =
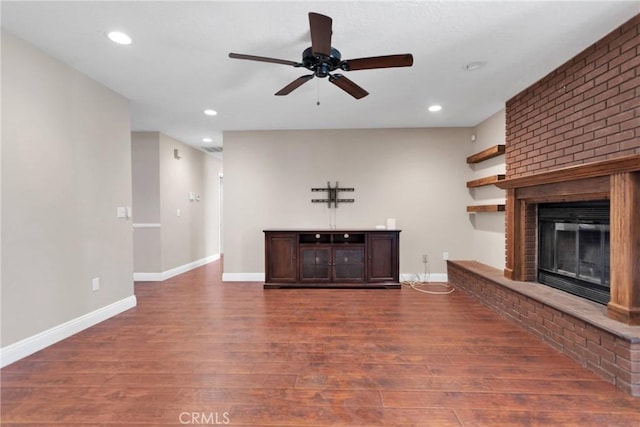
pixel 424 259
pixel 95 284
pixel 445 255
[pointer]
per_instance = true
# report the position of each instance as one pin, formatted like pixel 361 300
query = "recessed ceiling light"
pixel 207 140
pixel 435 108
pixel 119 37
pixel 210 112
pixel 475 65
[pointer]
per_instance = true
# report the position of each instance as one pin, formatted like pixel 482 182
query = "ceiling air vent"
pixel 216 149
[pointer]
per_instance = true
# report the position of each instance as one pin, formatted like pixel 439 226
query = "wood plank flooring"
pixel 202 352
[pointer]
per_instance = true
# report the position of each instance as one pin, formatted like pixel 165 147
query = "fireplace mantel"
pixel 616 179
pixel 589 170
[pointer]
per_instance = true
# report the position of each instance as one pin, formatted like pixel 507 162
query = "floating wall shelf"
pixel 485 208
pixel 493 179
pixel 487 154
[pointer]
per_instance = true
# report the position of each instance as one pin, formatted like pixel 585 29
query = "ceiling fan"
pixel 323 59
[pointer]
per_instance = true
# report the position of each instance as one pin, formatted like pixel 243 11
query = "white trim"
pixel 243 277
pixel 147 277
pixel 146 225
pixel 159 277
pixel 16 351
pixel 431 277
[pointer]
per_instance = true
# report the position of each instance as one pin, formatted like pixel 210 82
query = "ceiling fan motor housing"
pixel 321 65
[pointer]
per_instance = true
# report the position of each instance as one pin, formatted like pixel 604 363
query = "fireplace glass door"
pixel 574 249
pixel 593 262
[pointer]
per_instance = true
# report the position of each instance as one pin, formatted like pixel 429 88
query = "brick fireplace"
pixel 616 179
pixel 574 136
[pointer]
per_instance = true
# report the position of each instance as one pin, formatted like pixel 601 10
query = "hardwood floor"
pixel 199 351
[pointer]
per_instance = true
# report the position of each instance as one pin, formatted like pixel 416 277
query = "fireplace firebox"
pixel 573 248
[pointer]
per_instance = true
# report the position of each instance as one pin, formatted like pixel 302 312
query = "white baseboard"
pixel 432 277
pixel 16 351
pixel 159 277
pixel 243 277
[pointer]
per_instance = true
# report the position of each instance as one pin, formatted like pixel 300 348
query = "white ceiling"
pixel 178 64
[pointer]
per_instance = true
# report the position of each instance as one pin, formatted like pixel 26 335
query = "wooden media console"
pixel 332 258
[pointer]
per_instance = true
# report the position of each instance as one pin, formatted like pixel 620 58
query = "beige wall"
pixel 181 240
pixel 414 175
pixel 66 166
pixel 489 228
pixel 161 187
pixel 145 158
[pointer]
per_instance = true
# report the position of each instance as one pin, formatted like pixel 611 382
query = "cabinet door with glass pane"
pixel 315 263
pixel 348 264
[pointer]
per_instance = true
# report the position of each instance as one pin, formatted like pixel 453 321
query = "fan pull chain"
pixel 318 93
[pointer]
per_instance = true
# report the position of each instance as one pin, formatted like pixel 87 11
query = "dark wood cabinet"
pixel 283 259
pixel 383 257
pixel 332 258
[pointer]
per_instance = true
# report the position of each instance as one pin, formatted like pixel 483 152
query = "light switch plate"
pixel 121 212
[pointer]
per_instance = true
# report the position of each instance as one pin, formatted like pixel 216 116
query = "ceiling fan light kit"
pixel 323 59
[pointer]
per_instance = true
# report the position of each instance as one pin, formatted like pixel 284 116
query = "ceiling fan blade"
pixel 388 61
pixel 294 85
pixel 264 59
pixel 348 86
pixel 320 26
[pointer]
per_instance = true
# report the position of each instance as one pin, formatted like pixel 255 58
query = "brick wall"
pixel 586 110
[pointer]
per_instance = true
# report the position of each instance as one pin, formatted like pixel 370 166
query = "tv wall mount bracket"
pixel 332 195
